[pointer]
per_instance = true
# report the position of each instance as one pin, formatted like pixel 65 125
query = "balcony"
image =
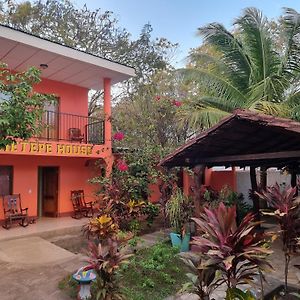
pixel 72 128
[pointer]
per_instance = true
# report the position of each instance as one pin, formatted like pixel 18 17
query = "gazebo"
pixel 243 139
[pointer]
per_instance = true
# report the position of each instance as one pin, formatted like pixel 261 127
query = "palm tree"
pixel 246 69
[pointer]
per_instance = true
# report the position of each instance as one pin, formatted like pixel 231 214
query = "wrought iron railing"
pixel 72 128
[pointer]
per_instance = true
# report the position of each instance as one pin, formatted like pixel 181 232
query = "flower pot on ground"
pixel 181 241
pixel 179 210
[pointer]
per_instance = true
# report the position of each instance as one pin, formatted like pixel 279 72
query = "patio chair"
pixel 75 135
pixel 13 211
pixel 80 206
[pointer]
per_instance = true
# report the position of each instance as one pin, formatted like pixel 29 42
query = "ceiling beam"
pixel 246 157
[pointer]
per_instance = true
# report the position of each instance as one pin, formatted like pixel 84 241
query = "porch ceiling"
pixel 244 138
pixel 21 50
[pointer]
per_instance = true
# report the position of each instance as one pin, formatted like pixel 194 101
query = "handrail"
pixel 71 127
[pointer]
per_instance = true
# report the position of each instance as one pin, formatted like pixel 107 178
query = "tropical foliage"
pixel 238 252
pixel 106 261
pixel 245 69
pixel 21 109
pixel 179 210
pixel 237 294
pixel 202 280
pixel 150 116
pixel 102 227
pixel 286 210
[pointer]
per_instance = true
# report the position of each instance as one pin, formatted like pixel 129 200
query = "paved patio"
pixel 30 266
pixel 44 227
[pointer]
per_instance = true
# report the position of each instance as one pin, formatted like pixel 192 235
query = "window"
pixel 6 180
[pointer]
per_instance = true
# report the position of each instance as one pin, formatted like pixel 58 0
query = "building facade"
pixel 62 158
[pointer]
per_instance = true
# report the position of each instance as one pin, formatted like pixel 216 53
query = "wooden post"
pixel 293 178
pixel 263 184
pixel 254 189
pixel 198 182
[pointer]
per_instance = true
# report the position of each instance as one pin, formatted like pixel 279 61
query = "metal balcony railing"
pixel 72 128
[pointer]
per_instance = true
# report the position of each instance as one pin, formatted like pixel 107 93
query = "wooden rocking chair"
pixel 13 211
pixel 80 207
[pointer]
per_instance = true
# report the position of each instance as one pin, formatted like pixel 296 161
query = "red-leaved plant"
pixel 237 252
pixel 286 211
pixel 105 261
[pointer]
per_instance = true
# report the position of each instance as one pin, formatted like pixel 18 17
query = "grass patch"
pixel 153 273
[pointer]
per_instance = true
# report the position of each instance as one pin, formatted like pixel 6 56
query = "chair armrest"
pixel 91 203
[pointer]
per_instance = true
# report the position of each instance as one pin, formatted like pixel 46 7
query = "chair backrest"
pixel 12 204
pixel 75 133
pixel 77 198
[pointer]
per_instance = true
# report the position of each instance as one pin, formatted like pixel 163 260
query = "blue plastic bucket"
pixel 182 244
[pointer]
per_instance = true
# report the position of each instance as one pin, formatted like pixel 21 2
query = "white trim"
pixel 40 43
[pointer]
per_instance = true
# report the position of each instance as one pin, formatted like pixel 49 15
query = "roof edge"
pixel 126 69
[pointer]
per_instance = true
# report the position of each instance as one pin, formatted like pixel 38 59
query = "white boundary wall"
pixel 243 183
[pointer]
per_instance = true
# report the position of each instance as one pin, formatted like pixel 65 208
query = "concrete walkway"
pixel 33 251
pixel 31 267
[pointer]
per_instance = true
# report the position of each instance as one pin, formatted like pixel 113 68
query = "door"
pixel 48 191
pixel 6 174
pixel 51 120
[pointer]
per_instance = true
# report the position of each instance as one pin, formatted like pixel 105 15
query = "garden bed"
pixel 153 273
pixel 78 243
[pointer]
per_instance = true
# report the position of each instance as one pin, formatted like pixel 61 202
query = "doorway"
pixel 48 191
pixel 50 118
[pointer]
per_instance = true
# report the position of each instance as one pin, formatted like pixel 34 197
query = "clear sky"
pixel 178 20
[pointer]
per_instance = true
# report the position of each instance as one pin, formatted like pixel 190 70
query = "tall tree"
pixel 93 31
pixel 150 117
pixel 247 70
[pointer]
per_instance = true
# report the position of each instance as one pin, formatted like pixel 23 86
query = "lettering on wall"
pixel 51 149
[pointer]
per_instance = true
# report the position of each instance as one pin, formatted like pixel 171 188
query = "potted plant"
pixel 179 209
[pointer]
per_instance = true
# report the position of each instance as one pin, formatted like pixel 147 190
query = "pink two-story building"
pixel 45 169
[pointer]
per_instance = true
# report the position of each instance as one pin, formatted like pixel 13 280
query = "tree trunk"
pixel 254 189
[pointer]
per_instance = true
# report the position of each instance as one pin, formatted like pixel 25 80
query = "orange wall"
pixel 73 99
pixel 73 175
pixel 217 179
